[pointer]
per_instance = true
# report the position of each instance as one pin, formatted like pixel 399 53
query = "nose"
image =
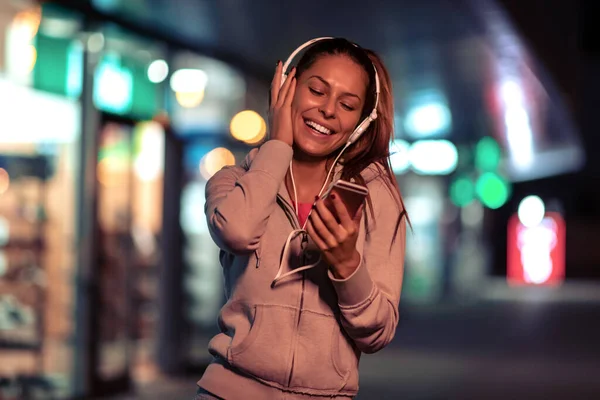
pixel 328 108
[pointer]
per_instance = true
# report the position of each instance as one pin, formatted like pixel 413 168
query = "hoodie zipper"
pixel 304 242
pixel 296 225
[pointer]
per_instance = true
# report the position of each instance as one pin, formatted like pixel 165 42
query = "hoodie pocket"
pixel 324 359
pixel 264 351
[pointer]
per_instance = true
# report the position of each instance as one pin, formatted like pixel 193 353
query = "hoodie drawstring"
pixel 286 253
pixel 296 232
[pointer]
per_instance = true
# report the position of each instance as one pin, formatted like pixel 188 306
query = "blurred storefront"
pixel 39 163
pixel 97 294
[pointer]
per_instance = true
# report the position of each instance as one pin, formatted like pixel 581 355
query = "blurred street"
pixel 530 348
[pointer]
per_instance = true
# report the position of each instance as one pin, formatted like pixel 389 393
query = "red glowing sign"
pixel 536 255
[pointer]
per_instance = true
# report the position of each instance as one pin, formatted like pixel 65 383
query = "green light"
pixel 462 191
pixel 50 73
pixel 492 190
pixel 145 95
pixel 59 62
pixel 487 154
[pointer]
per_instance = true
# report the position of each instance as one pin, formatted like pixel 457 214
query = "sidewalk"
pixel 535 347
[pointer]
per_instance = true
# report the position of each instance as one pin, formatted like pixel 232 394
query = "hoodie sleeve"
pixel 238 205
pixel 369 298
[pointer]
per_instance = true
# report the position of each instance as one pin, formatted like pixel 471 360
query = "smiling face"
pixel 328 104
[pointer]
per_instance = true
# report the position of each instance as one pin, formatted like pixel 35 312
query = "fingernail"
pixel 333 196
pixel 316 198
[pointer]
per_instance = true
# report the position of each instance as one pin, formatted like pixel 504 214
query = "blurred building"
pixel 109 130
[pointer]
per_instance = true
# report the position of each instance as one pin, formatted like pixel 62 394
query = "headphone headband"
pixel 372 115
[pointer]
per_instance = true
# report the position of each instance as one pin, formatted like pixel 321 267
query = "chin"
pixel 317 150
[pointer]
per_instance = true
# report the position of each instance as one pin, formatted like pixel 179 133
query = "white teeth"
pixel 318 127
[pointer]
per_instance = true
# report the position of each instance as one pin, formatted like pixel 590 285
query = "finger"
pixel 289 97
pixel 342 212
pixel 322 231
pixel 286 86
pixel 315 236
pixel 276 83
pixel 328 218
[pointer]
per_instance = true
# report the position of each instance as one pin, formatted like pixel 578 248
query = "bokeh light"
pixel 158 71
pixel 148 162
pixel 531 211
pixel 22 32
pixel 95 42
pixel 214 161
pixel 189 86
pixel 427 120
pixel 400 156
pixel 27 22
pixel 462 191
pixel 487 154
pixel 189 99
pixel 433 157
pixel 248 126
pixel 188 80
pixel 492 190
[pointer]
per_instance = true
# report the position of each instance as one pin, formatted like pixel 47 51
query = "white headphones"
pixel 364 124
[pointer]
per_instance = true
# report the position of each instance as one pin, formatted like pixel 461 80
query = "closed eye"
pixel 315 92
pixel 347 107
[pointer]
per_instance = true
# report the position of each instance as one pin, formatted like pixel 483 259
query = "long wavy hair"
pixel 373 147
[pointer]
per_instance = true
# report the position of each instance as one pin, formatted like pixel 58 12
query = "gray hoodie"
pixel 305 334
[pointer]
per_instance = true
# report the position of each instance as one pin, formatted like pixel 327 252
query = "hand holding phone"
pixel 351 194
pixel 334 231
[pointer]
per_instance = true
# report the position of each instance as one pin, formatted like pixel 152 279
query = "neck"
pixel 309 170
pixel 309 176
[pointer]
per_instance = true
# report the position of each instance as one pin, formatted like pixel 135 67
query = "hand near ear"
pixel 280 109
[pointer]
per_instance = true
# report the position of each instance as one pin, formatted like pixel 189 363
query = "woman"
pixel 289 332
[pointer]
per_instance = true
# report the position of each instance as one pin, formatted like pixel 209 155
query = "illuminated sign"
pixel 113 86
pixel 536 254
pixel 424 157
pixel 428 115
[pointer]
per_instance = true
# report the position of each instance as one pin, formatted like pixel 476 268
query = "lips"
pixel 318 128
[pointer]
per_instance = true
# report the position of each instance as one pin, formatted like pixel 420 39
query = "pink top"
pixel 303 212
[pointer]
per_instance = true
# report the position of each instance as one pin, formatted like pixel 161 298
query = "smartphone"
pixel 351 194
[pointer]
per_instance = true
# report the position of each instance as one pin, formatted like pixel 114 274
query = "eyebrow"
pixel 328 85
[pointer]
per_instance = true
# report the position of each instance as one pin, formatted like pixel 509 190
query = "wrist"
pixel 346 268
